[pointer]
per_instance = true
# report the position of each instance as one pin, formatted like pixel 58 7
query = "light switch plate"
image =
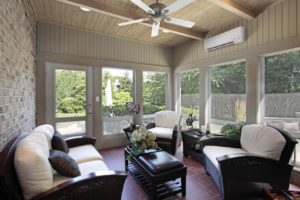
pixel 97 98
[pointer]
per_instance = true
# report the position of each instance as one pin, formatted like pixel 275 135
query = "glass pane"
pixel 190 93
pixel 148 120
pixel 70 93
pixel 115 127
pixel 154 92
pixel 282 85
pixel 71 127
pixel 228 92
pixel 117 89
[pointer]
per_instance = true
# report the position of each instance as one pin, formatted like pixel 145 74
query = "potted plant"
pixel 233 130
pixel 190 120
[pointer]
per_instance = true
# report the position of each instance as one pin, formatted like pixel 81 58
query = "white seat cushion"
pixel 84 153
pixel 85 168
pixel 162 132
pixel 167 119
pixel 262 140
pixel 212 152
pixel 46 129
pixel 35 173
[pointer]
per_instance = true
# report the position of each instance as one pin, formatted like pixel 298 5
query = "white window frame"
pixel 262 100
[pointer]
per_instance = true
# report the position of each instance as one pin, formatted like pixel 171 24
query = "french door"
pixel 69 104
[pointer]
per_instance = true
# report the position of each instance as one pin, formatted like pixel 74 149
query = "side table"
pixel 190 137
pixel 128 131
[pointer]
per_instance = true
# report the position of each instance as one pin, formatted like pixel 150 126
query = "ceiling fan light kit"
pixel 85 9
pixel 158 11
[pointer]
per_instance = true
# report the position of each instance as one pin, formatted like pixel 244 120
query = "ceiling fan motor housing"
pixel 157 7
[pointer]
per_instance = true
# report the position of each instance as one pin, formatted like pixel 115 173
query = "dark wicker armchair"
pixel 106 185
pixel 243 175
pixel 167 130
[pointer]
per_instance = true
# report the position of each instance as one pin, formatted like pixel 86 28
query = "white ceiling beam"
pixel 236 8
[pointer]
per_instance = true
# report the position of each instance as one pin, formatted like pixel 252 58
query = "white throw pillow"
pixel 262 140
pixel 167 119
pixel 35 173
pixel 290 126
pixel 46 129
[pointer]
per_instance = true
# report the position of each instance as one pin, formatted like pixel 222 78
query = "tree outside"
pixel 70 93
pixel 228 92
pixel 154 92
pixel 282 85
pixel 190 92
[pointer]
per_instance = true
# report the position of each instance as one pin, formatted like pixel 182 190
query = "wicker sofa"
pixel 96 179
pixel 241 168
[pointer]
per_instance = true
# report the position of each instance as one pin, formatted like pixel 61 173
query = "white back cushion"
pixel 167 119
pixel 262 140
pixel 290 126
pixel 46 129
pixel 35 173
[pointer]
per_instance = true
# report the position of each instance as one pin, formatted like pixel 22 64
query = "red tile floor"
pixel 199 185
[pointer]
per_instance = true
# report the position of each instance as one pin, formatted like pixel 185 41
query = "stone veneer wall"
pixel 17 69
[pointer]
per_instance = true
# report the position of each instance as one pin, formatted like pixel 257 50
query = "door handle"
pixel 90 112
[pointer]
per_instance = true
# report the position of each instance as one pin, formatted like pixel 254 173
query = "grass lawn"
pixel 59 115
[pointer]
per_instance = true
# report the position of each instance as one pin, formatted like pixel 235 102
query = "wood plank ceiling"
pixel 207 15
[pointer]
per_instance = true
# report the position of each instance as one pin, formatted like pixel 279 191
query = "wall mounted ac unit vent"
pixel 234 36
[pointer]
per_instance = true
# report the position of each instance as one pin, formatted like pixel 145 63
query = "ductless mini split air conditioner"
pixel 234 36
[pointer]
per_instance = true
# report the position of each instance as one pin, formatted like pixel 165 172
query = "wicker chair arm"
pixel 222 142
pixel 254 168
pixel 150 125
pixel 105 184
pixel 80 140
pixel 176 128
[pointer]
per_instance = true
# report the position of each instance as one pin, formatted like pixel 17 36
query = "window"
pixel 189 92
pixel 117 89
pixel 228 92
pixel 282 92
pixel 154 94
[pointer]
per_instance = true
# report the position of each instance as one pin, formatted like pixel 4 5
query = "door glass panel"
pixel 70 93
pixel 71 127
pixel 113 127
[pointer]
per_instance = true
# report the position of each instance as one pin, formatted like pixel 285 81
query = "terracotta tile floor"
pixel 199 185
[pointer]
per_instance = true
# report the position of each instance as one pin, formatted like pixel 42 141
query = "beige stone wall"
pixel 17 69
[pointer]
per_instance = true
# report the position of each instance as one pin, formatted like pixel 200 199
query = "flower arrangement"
pixel 141 140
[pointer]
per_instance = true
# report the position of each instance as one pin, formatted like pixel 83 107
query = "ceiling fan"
pixel 158 11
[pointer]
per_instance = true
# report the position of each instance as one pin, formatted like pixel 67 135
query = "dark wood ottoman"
pixel 156 174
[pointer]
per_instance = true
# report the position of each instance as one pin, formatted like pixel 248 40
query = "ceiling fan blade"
pixel 180 22
pixel 134 21
pixel 155 29
pixel 143 6
pixel 176 6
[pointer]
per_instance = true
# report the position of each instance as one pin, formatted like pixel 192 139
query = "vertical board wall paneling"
pixel 293 18
pixel 272 24
pixel 286 18
pixel 278 22
pixel 69 41
pixel 298 17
